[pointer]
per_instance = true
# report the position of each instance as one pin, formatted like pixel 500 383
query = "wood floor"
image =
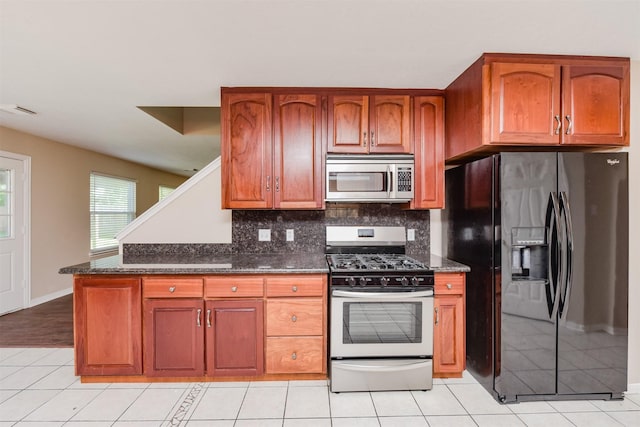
pixel 45 325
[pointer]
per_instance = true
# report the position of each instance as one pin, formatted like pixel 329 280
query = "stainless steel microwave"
pixel 369 178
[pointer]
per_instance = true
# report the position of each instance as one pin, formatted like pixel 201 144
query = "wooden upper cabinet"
pixel 596 104
pixel 298 152
pixel 390 124
pixel 246 145
pixel 428 120
pixel 369 124
pixel 525 103
pixel 511 101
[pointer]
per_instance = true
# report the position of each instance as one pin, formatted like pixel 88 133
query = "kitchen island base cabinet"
pixel 107 326
pixel 449 325
pixel 173 337
pixel 235 338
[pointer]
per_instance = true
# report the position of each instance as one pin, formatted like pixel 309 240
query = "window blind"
pixel 164 191
pixel 112 207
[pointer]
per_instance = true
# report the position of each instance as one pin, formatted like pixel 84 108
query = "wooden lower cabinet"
pixel 290 355
pixel 173 337
pixel 449 325
pixel 235 338
pixel 107 325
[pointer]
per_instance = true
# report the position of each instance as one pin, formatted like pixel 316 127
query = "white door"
pixel 14 290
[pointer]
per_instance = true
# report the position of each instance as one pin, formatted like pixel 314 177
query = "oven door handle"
pixel 385 295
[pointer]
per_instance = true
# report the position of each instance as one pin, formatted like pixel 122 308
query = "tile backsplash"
pixel 309 226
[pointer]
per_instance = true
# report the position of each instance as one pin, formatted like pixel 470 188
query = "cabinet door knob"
pixel 294 356
pixel 294 288
pixel 364 139
pixel 373 141
pixel 172 289
pixel 294 318
pixel 234 289
pixel 198 315
pixel 449 286
pixel 277 183
pixel 209 318
pixel 437 316
pixel 268 182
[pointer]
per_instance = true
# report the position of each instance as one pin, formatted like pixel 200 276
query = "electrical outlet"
pixel 264 234
pixel 411 234
pixel 290 237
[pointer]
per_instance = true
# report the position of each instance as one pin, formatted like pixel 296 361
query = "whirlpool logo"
pixel 612 162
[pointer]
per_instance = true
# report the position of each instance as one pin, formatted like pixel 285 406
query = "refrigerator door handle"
pixel 565 209
pixel 552 220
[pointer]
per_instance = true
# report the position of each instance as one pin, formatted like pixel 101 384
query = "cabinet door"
pixel 246 144
pixel 525 104
pixel 348 124
pixel 235 337
pixel 298 154
pixel 107 326
pixel 448 342
pixel 596 104
pixel 428 119
pixel 449 325
pixel 173 337
pixel 389 124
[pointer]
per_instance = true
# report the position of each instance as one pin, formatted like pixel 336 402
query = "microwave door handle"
pixel 389 183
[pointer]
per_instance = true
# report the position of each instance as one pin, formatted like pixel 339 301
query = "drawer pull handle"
pixel 234 289
pixel 294 356
pixel 449 286
pixel 294 288
pixel 294 318
pixel 172 289
pixel 198 315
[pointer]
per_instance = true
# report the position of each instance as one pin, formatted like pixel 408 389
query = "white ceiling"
pixel 84 66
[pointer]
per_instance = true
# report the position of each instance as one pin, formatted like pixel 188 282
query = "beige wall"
pixel 60 202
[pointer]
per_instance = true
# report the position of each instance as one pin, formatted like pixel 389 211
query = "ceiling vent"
pixel 16 109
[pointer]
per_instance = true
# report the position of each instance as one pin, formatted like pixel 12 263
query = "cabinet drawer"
pixel 294 355
pixel 294 317
pixel 233 287
pixel 171 288
pixel 449 284
pixel 292 286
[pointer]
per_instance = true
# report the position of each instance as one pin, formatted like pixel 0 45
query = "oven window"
pixel 382 322
pixel 357 181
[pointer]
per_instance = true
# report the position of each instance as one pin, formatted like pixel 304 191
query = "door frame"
pixel 26 188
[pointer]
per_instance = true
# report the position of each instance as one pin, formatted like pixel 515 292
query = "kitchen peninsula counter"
pixel 233 264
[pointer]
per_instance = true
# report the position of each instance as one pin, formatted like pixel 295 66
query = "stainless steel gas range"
pixel 381 321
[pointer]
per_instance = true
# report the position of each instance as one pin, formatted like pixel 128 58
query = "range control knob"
pixel 351 281
pixel 415 281
pixel 404 281
pixel 363 281
pixel 384 281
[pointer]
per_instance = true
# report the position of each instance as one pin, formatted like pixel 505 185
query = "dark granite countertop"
pixel 233 264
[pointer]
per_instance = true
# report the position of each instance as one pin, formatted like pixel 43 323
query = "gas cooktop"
pixel 374 262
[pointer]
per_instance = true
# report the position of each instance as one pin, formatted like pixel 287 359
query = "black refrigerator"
pixel 546 235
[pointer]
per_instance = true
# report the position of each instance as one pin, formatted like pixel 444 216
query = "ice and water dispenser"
pixel 528 253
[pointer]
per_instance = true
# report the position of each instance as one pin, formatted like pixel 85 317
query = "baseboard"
pixel 50 297
pixel 633 388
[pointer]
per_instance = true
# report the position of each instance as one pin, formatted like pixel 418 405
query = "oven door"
pixel 389 324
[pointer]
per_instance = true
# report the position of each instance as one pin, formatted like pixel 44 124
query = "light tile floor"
pixel 38 388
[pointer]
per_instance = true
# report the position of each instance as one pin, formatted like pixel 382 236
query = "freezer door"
pixel 527 287
pixel 592 326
